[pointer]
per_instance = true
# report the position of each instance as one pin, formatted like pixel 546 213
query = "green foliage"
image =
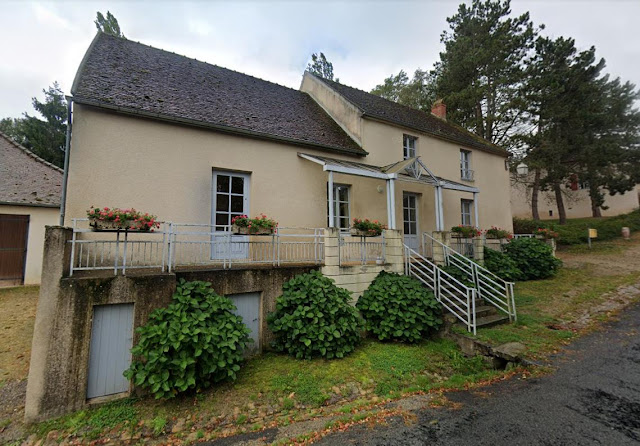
pixel 458 274
pixel 502 265
pixel 320 66
pixel 158 424
pixel 194 342
pixel 418 92
pixel 108 25
pixel 46 138
pixel 574 232
pixel 314 318
pixel 533 258
pixel 397 307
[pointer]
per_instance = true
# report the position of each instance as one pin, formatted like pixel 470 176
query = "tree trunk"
pixel 597 200
pixel 535 190
pixel 562 213
pixel 595 210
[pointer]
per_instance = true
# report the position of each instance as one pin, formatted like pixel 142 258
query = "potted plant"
pixel 105 219
pixel 366 228
pixel 546 234
pixel 464 231
pixel 497 233
pixel 261 225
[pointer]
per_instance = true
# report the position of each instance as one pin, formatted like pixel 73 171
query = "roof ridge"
pixel 199 61
pixel 30 153
pixel 475 136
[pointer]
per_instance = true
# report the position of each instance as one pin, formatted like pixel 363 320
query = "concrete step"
pixel 484 310
pixel 491 320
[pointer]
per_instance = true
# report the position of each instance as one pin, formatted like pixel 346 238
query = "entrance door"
pixel 248 307
pixel 13 248
pixel 230 199
pixel 110 349
pixel 410 216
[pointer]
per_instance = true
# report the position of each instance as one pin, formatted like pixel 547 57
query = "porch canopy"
pixel 409 170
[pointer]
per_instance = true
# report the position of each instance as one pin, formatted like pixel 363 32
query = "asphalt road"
pixel 592 399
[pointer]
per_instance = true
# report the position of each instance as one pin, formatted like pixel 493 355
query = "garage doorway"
pixel 14 230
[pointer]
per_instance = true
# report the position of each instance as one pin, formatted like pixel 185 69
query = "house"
pixel 197 145
pixel 30 190
pixel 576 199
pixel 165 133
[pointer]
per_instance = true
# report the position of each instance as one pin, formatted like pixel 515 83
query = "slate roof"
pixel 385 110
pixel 26 178
pixel 131 77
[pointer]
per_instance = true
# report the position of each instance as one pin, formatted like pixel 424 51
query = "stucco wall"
pixel 167 170
pixel 39 217
pixel 577 203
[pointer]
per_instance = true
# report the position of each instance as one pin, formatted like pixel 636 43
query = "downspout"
pixel 67 148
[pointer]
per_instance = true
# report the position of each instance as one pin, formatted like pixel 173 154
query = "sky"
pixel 366 41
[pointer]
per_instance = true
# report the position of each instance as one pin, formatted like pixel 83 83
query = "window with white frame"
pixel 409 146
pixel 467 208
pixel 465 165
pixel 341 208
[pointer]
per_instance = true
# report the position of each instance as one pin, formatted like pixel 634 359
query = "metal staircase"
pixel 487 302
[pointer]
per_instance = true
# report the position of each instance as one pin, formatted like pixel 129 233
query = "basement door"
pixel 230 199
pixel 110 349
pixel 410 217
pixel 13 248
pixel 248 307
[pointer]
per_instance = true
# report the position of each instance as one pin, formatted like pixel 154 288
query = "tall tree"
pixel 418 92
pixel 320 66
pixel 44 137
pixel 481 72
pixel 108 24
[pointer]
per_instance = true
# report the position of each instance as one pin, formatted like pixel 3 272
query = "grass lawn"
pixel 276 390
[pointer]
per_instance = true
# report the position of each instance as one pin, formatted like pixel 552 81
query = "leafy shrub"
pixel 399 308
pixel 498 233
pixel 501 265
pixel 466 231
pixel 533 257
pixel 194 342
pixel 314 318
pixel 527 225
pixel 457 274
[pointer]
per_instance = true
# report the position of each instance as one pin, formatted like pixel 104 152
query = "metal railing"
pixel 463 245
pixel 361 250
pixel 177 245
pixel 116 250
pixel 452 294
pixel 467 174
pixel 491 288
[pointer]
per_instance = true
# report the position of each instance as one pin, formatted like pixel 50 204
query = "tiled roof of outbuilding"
pixel 131 77
pixel 385 110
pixel 26 178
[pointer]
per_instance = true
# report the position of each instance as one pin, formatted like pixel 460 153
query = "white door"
pixel 410 217
pixel 230 199
pixel 248 307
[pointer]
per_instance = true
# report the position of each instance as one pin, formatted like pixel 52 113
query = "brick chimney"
pixel 439 110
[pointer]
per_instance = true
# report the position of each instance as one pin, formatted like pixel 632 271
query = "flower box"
pixel 462 231
pixel 365 233
pixel 245 230
pixel 115 219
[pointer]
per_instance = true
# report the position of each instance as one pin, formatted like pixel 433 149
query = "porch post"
pixel 475 209
pixel 331 203
pixel 387 183
pixel 437 208
pixel 392 193
pixel 441 208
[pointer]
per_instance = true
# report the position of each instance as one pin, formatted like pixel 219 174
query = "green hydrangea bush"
pixel 502 265
pixel 194 342
pixel 533 258
pixel 399 308
pixel 314 318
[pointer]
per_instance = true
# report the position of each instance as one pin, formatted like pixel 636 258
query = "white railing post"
pixel 73 248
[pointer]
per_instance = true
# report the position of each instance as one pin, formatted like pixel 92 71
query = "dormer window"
pixel 409 146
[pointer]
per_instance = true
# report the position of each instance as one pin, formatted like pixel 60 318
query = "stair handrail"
pixel 479 276
pixel 441 283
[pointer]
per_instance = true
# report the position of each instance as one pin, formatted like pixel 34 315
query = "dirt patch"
pixel 621 261
pixel 17 315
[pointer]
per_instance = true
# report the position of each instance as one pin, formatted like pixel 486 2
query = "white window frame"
pixel 466 212
pixel 466 173
pixel 409 146
pixel 336 209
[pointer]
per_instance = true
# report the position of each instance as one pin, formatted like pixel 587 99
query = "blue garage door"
pixel 110 350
